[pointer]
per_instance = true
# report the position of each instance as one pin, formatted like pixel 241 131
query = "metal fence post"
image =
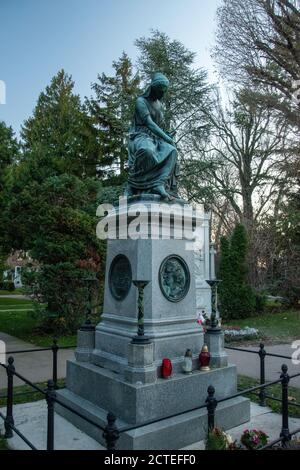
pixel 111 433
pixel 9 420
pixel 211 405
pixel 262 393
pixel 285 432
pixel 50 398
pixel 54 348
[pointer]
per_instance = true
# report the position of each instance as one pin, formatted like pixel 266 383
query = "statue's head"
pixel 159 85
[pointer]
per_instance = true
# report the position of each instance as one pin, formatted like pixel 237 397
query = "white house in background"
pixel 17 277
pixel 14 275
pixel 16 262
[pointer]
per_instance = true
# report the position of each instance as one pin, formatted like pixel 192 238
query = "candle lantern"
pixel 204 358
pixel 212 268
pixel 213 322
pixel 166 368
pixel 188 362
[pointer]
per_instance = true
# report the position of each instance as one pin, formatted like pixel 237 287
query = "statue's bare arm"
pixel 157 130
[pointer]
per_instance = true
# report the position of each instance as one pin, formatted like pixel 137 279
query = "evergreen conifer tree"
pixel 9 154
pixel 111 111
pixel 237 299
pixel 52 205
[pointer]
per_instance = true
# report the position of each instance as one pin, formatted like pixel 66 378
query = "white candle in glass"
pixel 212 262
pixel 188 362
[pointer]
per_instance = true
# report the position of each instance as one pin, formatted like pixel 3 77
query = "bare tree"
pixel 244 161
pixel 243 168
pixel 258 41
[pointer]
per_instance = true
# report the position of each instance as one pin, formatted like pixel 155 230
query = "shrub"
pixel 64 289
pixel 218 439
pixel 8 285
pixel 260 302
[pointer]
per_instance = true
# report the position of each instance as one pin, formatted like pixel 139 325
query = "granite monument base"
pixel 165 414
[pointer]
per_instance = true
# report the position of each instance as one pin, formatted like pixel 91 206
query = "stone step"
pixel 167 434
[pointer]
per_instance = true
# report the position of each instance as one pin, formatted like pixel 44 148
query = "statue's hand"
pixel 170 141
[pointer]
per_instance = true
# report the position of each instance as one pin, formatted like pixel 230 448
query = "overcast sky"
pixel 39 37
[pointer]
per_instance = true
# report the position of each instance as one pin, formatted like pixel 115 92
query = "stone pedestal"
pixel 215 343
pixel 141 368
pixel 124 377
pixel 85 344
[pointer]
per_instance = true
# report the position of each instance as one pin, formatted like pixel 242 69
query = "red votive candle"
pixel 204 358
pixel 166 368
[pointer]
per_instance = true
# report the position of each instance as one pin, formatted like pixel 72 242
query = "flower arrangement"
pixel 201 318
pixel 204 321
pixel 254 439
pixel 251 439
pixel 237 334
pixel 217 439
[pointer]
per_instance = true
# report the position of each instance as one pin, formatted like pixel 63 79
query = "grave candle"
pixel 166 368
pixel 188 362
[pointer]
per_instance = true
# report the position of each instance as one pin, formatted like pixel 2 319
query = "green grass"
pixel 273 304
pixel 26 394
pixel 278 327
pixel 3 443
pixel 15 304
pixel 17 291
pixel 7 303
pixel 25 325
pixel 273 391
pixel 45 340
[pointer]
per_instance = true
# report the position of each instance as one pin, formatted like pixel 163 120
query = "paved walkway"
pixel 13 310
pixel 31 420
pixel 35 366
pixel 15 296
pixel 249 364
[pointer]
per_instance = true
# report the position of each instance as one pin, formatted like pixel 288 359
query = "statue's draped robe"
pixel 151 159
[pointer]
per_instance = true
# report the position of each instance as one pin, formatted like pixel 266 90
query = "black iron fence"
pixel 54 348
pixel 111 433
pixel 262 354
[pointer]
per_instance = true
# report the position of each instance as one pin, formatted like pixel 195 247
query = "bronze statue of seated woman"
pixel 152 155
